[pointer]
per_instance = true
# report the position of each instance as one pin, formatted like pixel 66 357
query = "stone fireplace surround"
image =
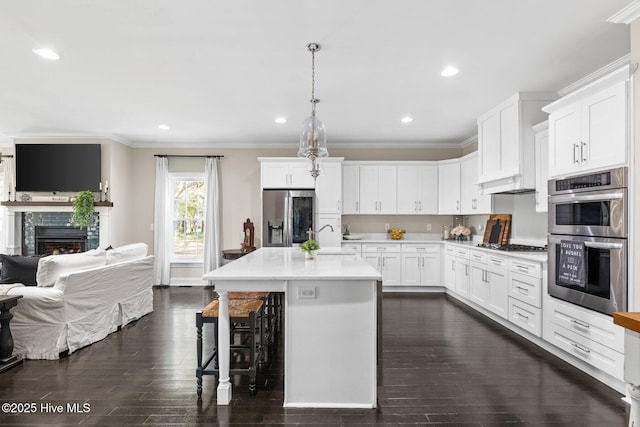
pixel 15 210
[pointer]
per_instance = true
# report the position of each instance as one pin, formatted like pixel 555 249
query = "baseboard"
pixel 413 289
pixel 188 281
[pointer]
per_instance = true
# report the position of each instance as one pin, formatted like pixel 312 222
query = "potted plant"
pixel 310 247
pixel 83 208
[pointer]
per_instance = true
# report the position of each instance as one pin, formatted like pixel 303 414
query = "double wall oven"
pixel 588 240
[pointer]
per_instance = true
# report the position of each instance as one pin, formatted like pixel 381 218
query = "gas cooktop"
pixel 512 247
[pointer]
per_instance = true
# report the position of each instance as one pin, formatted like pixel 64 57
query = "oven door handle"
pixel 601 245
pixel 586 197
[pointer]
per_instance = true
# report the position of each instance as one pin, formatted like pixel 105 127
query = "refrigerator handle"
pixel 287 238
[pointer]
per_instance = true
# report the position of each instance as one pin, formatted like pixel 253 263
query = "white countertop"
pixel 537 256
pixel 419 238
pixel 290 263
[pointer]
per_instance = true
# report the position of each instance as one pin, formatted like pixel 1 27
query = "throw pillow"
pixel 53 266
pixel 19 269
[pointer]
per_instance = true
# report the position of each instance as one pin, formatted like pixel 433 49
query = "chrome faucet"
pixel 325 226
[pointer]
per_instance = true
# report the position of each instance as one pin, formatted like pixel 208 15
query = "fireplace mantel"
pixel 14 219
pixel 22 205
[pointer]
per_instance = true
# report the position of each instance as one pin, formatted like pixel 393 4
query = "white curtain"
pixel 163 224
pixel 9 182
pixel 211 215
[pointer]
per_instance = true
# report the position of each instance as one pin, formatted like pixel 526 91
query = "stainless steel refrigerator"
pixel 287 215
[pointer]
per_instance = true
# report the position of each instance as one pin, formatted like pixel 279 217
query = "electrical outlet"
pixel 428 227
pixel 307 292
pixel 386 227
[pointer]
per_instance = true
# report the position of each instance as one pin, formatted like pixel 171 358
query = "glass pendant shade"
pixel 313 139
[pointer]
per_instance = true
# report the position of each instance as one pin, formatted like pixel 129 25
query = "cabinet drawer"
pixel 356 247
pixel 497 261
pixel 478 256
pixel 526 267
pixel 601 357
pixel 525 316
pixel 462 253
pixel 424 248
pixel 449 250
pixel 585 323
pixel 525 288
pixel 381 247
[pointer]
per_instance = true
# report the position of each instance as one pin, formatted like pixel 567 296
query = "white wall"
pixel 527 225
pixel 121 192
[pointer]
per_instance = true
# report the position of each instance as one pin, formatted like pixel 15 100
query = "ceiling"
pixel 219 72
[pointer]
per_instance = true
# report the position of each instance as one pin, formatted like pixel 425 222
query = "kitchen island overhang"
pixel 332 323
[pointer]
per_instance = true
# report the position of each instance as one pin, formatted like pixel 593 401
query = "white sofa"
pixel 80 299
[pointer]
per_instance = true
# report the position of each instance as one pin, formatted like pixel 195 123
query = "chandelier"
pixel 313 141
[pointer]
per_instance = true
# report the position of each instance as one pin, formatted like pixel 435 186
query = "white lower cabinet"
pixel 589 336
pixel 449 268
pixel 488 287
pixel 525 295
pixel 462 272
pixel 479 285
pixel 421 264
pixel 525 316
pixel 498 285
pixel 386 258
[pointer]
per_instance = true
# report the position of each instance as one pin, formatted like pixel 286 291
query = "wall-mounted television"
pixel 57 167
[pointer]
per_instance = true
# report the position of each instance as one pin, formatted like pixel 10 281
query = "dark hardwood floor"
pixel 444 365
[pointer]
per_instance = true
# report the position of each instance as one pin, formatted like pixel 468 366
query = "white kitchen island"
pixel 331 323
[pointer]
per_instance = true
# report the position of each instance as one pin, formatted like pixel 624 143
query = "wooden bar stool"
pixel 244 316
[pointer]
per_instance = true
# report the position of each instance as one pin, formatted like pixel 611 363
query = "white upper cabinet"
pixel 329 186
pixel 378 189
pixel 472 201
pixel 281 172
pixel 505 143
pixel 542 165
pixel 449 187
pixel 350 189
pixel 417 189
pixel 589 128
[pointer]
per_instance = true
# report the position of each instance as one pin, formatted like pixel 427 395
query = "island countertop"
pixel 290 263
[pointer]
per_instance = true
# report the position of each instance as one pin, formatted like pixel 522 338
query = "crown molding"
pixel 115 138
pixel 627 15
pixel 262 144
pixel 294 145
pixel 467 142
pixel 607 69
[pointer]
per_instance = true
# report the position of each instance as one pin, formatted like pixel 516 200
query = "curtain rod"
pixel 186 155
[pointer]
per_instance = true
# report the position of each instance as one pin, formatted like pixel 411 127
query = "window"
pixel 188 217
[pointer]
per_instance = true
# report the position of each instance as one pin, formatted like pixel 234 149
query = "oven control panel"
pixel 612 178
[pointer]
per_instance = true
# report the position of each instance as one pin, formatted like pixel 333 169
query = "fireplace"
pixel 54 240
pixel 23 217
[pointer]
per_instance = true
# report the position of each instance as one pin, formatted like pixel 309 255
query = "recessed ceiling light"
pixel 46 53
pixel 407 119
pixel 449 71
pixel 281 120
pixel 163 127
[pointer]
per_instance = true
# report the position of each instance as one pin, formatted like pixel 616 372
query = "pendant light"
pixel 313 141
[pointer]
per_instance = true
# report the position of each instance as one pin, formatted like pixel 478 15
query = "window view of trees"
pixel 188 221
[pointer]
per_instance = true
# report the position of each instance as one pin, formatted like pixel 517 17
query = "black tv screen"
pixel 57 167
